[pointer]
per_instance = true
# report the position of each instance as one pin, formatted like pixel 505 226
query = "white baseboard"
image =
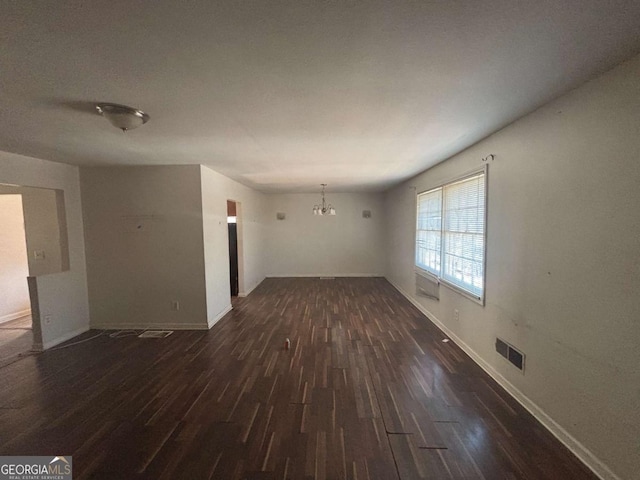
pixel 14 316
pixel 215 320
pixel 578 449
pixel 244 294
pixel 59 340
pixel 150 326
pixel 323 275
pixel 162 325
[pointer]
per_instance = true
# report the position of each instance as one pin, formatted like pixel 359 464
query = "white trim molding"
pixel 162 325
pixel 150 326
pixel 325 275
pixel 578 449
pixel 244 294
pixel 218 317
pixel 14 316
pixel 59 340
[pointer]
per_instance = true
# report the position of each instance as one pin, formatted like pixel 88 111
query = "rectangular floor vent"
pixel 515 356
pixel 155 334
pixel 327 278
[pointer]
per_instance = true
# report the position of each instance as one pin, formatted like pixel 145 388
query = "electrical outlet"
pixel 456 315
pixel 38 255
pixel 175 305
pixel 47 319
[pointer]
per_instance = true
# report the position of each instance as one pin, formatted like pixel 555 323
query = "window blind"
pixel 429 231
pixel 451 233
pixel 464 233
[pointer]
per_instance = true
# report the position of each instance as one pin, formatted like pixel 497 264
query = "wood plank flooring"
pixel 16 338
pixel 367 391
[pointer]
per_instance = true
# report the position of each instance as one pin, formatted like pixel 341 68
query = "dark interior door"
pixel 233 258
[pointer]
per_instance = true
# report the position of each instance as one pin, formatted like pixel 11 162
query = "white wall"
pixel 45 228
pixel 143 230
pixel 563 264
pixel 14 269
pixel 62 296
pixel 346 244
pixel 216 190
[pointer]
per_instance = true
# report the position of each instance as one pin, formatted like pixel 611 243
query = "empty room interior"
pixel 321 240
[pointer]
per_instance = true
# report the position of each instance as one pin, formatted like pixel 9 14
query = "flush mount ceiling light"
pixel 122 117
pixel 323 209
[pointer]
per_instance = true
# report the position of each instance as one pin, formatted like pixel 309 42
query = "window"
pixel 450 233
pixel 429 231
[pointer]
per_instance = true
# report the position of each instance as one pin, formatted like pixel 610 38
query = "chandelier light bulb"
pixel 323 209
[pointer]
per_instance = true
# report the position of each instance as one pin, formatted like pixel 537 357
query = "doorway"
pixel 232 223
pixel 16 332
pixel 34 239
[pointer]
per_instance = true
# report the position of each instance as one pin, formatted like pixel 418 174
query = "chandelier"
pixel 323 209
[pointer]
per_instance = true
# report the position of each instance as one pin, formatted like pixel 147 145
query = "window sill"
pixel 471 296
pixel 441 281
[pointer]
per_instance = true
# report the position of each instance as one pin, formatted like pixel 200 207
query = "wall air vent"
pixel 512 354
pixel 502 348
pixel 427 287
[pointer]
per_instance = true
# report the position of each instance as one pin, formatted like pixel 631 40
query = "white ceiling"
pixel 283 96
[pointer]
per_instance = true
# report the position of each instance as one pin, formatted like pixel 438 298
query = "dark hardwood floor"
pixel 368 390
pixel 16 339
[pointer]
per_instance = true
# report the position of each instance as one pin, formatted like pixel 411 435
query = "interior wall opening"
pixel 33 242
pixel 16 335
pixel 232 224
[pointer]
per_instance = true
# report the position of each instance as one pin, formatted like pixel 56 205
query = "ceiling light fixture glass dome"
pixel 121 116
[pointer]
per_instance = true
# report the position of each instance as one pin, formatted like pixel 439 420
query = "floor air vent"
pixel 155 334
pixel 515 356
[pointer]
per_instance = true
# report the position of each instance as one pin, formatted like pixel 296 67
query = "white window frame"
pixel 438 276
